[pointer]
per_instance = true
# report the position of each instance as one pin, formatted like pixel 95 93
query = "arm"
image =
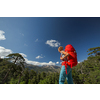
pixel 66 55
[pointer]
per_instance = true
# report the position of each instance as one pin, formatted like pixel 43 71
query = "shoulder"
pixel 66 53
pixel 62 51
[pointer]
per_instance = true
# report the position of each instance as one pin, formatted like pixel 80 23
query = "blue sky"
pixel 38 38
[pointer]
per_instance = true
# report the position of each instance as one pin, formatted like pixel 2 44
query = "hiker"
pixel 69 60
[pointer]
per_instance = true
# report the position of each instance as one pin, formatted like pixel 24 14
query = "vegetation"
pixel 13 71
pixel 88 71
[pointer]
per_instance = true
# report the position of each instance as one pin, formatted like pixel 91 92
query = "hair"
pixel 60 48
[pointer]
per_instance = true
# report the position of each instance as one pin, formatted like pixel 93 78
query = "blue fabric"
pixel 64 76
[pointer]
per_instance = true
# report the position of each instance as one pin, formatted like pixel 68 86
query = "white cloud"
pixel 52 43
pixel 2 36
pixel 23 54
pixel 36 40
pixel 38 57
pixel 35 62
pixel 39 63
pixel 57 62
pixel 4 52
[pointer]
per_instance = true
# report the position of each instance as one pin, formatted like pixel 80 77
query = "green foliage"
pixel 38 78
pixel 50 78
pixel 13 81
pixel 56 82
pixel 33 81
pixel 23 82
pixel 43 75
pixel 16 58
pixel 14 67
pixel 93 78
pixel 86 72
pixel 95 50
pixel 32 73
pixel 45 81
pixel 25 76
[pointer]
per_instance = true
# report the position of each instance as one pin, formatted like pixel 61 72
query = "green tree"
pixel 57 77
pixel 53 78
pixel 8 70
pixel 93 77
pixel 32 73
pixel 38 78
pixel 43 75
pixel 13 81
pixel 25 77
pixel 17 59
pixel 33 80
pixel 94 51
pixel 87 72
pixel 45 81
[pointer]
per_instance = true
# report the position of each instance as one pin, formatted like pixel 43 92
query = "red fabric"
pixel 72 58
pixel 69 48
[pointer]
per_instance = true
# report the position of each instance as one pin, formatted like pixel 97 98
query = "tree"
pixel 32 77
pixel 38 78
pixel 16 59
pixel 45 81
pixel 34 80
pixel 8 70
pixel 43 75
pixel 25 78
pixel 95 51
pixel 87 72
pixel 57 77
pixel 32 73
pixel 93 77
pixel 53 78
pixel 19 71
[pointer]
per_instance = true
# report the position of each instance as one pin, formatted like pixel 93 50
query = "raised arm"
pixel 66 55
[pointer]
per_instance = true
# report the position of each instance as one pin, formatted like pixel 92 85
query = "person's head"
pixel 60 48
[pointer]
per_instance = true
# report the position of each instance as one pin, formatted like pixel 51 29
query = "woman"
pixel 65 73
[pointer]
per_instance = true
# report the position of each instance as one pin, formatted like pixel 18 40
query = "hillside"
pixel 43 68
